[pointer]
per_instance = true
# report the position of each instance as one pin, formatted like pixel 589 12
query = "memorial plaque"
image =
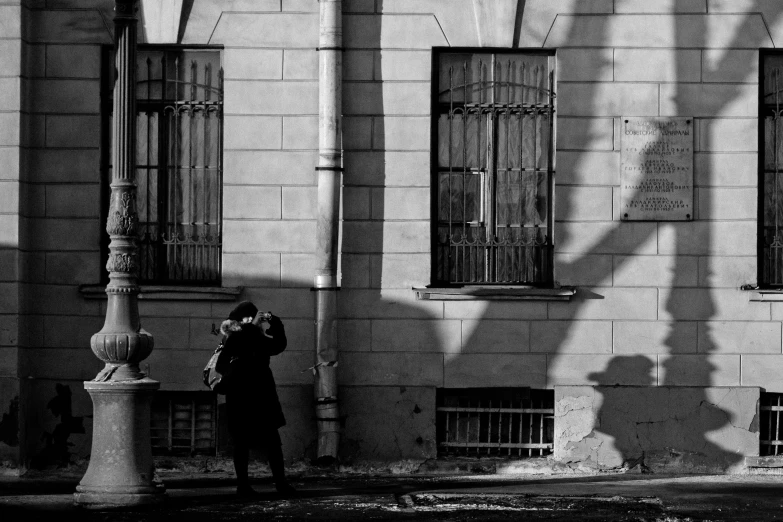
pixel 656 169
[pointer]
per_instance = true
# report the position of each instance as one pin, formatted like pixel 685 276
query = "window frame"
pixel 437 52
pixel 106 109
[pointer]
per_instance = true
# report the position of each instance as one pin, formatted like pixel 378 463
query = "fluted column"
pixel 329 180
pixel 121 469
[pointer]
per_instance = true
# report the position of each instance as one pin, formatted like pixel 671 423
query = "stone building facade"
pixel 658 338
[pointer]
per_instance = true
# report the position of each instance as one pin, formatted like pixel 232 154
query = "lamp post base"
pixel 121 470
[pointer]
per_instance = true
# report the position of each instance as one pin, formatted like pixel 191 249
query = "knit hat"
pixel 242 310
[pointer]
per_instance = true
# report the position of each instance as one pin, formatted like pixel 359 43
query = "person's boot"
pixel 278 472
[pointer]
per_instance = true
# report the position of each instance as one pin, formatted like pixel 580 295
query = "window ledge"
pixel 766 294
pixel 170 293
pixel 495 293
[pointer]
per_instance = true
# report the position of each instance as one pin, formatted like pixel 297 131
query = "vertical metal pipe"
pixel 329 180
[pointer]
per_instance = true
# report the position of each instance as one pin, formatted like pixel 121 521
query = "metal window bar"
pixel 495 423
pixel 184 424
pixel 179 166
pixel 495 179
pixel 771 438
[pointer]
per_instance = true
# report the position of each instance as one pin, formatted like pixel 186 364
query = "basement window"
pixel 495 422
pixel 184 423
pixel 771 404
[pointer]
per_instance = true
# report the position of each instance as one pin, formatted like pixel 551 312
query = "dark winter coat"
pixel 252 402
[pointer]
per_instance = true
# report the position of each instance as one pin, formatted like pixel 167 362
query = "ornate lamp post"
pixel 121 469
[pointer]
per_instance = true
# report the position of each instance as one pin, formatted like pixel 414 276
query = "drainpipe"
pixel 329 171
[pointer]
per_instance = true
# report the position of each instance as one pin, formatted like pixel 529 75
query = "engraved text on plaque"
pixel 656 169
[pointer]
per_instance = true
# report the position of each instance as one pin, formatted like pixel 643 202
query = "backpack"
pixel 217 372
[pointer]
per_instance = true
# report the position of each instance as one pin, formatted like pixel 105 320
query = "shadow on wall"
pixel 644 443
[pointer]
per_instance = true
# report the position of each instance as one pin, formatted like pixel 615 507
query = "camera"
pixel 265 316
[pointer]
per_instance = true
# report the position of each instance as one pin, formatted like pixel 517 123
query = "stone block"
pixel 299 6
pixel 571 337
pixel 59 364
pixel 736 170
pixel 388 423
pixel 709 100
pixel 661 337
pixel 400 203
pixel 386 237
pixel 73 267
pixel 299 434
pixel 718 238
pixel 495 310
pixel 59 300
pixel 72 201
pixel 9 330
pixel 177 370
pixel 11 21
pixel 727 272
pixel 607 238
pixel 300 64
pixel 11 160
pixel 495 370
pixel 9 128
pixel 47 234
pixel 585 65
pixel 268 236
pixel 67 26
pixel 32 267
pixel 73 61
pixel 9 197
pixel 657 65
pixel 357 133
pixel 727 203
pixel 765 371
pixel 387 98
pixel 664 6
pixel 286 303
pixel 355 271
pixel 664 429
pixel 702 304
pixel 588 168
pixel 9 298
pixel 176 309
pixel 608 303
pixel 401 133
pixel 495 336
pixel 583 270
pixel 271 97
pixel 273 30
pixel 11 57
pixel 730 65
pixel 423 335
pixel 253 64
pixel 585 134
pixel 9 261
pixel 300 132
pixel 699 370
pixel 608 99
pixel 739 31
pixel 358 65
pixel 10 97
pixel 358 6
pixel 34 60
pixel 727 135
pixel 297 270
pixel 192 333
pixel 386 304
pixel 390 369
pixel 251 202
pixel 738 337
pixel 71 331
pixel 10 230
pixel 241 269
pixel 64 96
pixel 410 31
pixel 270 167
pixel 299 202
pixel 253 132
pixel 355 335
pixel 399 270
pixel 64 165
pixel 389 168
pixel 356 203
pixel 73 131
pixel 577 203
pixel 671 271
pixel 610 370
pixel 403 65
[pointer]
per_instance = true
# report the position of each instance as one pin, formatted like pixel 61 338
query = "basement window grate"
pixel 771 405
pixel 184 423
pixel 495 422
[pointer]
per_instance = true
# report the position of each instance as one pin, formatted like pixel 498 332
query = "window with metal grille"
pixel 184 423
pixel 179 159
pixel 771 437
pixel 493 172
pixel 770 219
pixel 515 422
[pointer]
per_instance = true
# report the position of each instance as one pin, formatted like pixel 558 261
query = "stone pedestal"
pixel 121 470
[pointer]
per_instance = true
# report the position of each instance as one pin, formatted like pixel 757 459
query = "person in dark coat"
pixel 254 411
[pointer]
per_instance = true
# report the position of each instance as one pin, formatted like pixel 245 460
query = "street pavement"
pixel 48 496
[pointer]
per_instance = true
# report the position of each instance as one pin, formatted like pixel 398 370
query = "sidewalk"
pixel 351 496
